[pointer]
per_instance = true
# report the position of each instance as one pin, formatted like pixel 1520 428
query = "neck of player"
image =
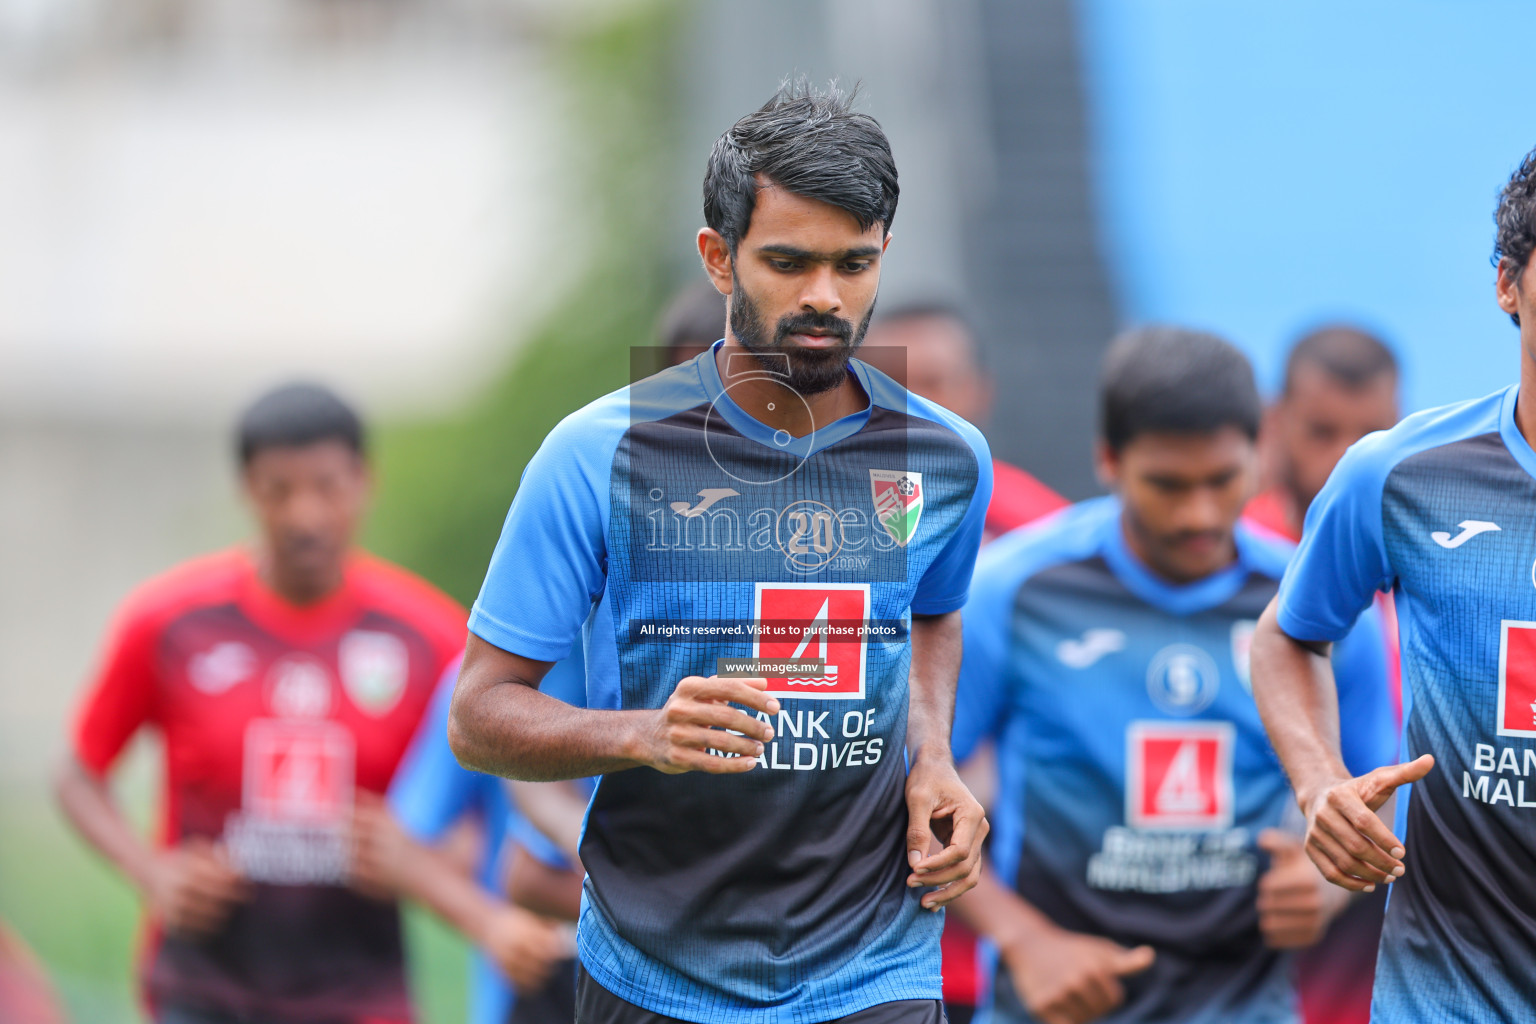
pixel 776 404
pixel 298 585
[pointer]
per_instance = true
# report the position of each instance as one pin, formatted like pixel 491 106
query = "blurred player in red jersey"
pixel 286 678
pixel 1340 384
pixel 941 363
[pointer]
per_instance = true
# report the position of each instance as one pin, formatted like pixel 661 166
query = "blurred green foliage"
pixel 445 485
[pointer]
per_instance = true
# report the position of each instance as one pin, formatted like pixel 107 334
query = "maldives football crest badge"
pixel 898 498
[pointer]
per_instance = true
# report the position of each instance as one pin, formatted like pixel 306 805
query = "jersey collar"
pixel 1509 430
pixel 301 625
pixel 752 428
pixel 1174 598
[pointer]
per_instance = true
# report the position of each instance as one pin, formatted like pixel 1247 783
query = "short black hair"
pixel 1515 220
pixel 695 316
pixel 1350 355
pixel 1175 380
pixel 295 415
pixel 809 142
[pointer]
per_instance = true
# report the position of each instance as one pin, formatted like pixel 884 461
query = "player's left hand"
pixel 380 850
pixel 940 807
pixel 1295 902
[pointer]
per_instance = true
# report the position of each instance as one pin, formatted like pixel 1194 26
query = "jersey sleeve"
pixel 431 790
pixel 521 831
pixel 1342 560
pixel 121 697
pixel 1367 717
pixel 550 563
pixel 982 694
pixel 945 584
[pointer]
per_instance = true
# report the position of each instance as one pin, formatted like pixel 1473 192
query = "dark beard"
pixel 811 371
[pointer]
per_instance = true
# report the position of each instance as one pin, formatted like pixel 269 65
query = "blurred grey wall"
pixel 984 108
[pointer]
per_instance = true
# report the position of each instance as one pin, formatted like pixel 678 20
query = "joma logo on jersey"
pixel 818 622
pixel 1517 679
pixel 1178 775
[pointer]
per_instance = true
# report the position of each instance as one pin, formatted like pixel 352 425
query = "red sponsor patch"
pixel 825 622
pixel 1517 679
pixel 299 771
pixel 1178 775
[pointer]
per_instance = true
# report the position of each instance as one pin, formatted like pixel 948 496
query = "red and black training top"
pixel 273 715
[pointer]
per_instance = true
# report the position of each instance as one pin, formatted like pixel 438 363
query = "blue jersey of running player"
pixel 1135 775
pixel 672 529
pixel 431 791
pixel 1442 511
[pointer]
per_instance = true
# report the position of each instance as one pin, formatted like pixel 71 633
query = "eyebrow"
pixel 861 252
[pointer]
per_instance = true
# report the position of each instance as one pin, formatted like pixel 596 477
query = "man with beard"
pixel 765 551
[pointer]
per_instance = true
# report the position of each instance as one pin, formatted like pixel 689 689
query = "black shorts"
pixel 596 1005
pixel 555 1003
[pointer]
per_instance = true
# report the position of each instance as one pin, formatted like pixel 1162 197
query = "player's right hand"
pixel 694 721
pixel 525 946
pixel 1348 842
pixel 1067 977
pixel 192 888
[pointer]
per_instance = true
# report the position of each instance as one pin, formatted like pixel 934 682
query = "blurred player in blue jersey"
pixel 760 846
pixel 1441 510
pixel 430 795
pixel 1142 870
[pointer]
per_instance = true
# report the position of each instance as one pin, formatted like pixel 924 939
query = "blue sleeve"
pixel 944 586
pixel 550 563
pixel 1342 559
pixel 1367 719
pixel 538 845
pixel 567 680
pixel 982 695
pixel 430 790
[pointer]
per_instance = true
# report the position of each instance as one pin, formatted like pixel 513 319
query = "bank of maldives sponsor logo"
pixel 1179 775
pixel 297 787
pixel 821 622
pixel 898 497
pixel 1517 679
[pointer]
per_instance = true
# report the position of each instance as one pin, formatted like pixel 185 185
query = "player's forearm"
pixel 428 878
pixel 541 889
pixel 936 643
pixel 554 808
pixel 514 731
pixel 997 912
pixel 1294 690
pixel 87 803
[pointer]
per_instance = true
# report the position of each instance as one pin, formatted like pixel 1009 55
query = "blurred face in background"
pixel 934 357
pixel 802 283
pixel 1317 419
pixel 308 501
pixel 1182 495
